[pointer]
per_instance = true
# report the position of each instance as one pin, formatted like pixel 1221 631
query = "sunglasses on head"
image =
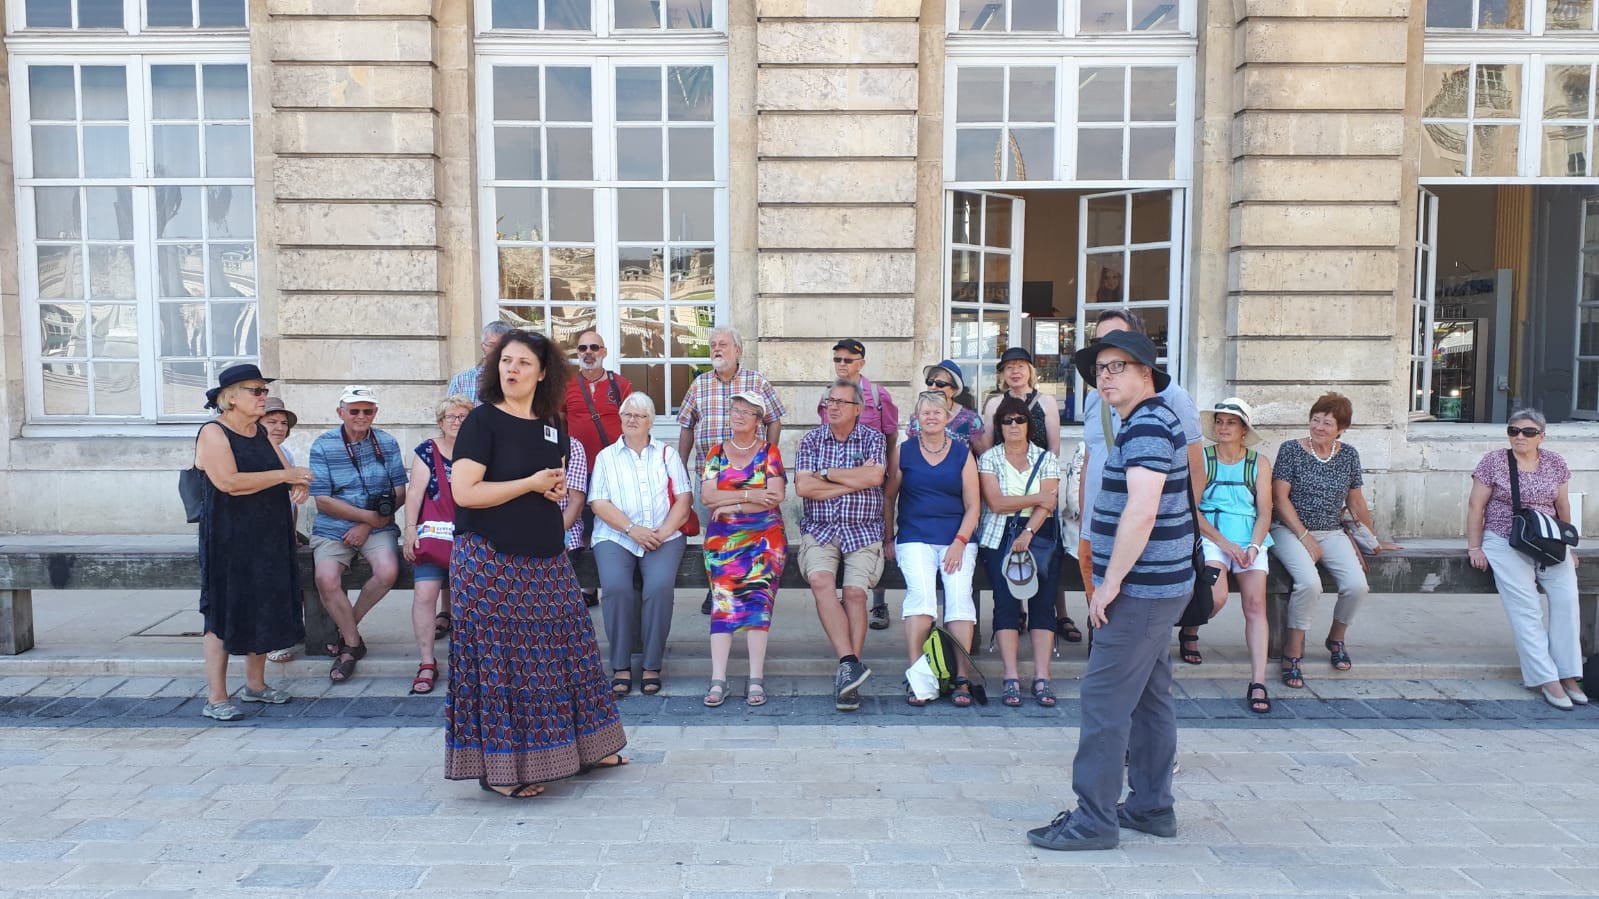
pixel 589 348
pixel 1514 431
pixel 934 382
pixel 1229 407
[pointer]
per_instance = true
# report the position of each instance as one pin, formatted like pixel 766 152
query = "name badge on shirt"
pixel 551 434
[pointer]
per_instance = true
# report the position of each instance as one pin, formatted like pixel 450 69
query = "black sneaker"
pixel 1161 822
pixel 877 618
pixel 848 701
pixel 845 684
pixel 1064 834
pixel 705 607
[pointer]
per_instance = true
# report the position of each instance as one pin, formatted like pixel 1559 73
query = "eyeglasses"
pixel 634 416
pixel 360 413
pixel 589 348
pixel 1514 431
pixel 1110 368
pixel 845 360
pixel 1013 420
pixel 455 418
pixel 256 391
pixel 941 385
pixel 741 411
pixel 835 401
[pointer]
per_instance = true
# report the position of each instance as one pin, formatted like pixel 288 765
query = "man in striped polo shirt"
pixel 1142 537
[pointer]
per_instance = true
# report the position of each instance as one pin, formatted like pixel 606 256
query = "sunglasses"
pixel 360 413
pixel 1013 420
pixel 589 348
pixel 934 382
pixel 1514 431
pixel 1229 407
pixel 256 391
pixel 845 360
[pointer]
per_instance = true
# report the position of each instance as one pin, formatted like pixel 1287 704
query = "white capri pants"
pixel 1214 554
pixel 1547 653
pixel 923 564
pixel 1338 556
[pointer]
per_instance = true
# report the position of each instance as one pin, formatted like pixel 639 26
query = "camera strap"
pixel 355 460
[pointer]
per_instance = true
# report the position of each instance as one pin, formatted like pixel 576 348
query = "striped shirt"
pixel 855 519
pixel 577 478
pixel 635 483
pixel 1151 439
pixel 465 383
pixel 377 470
pixel 704 408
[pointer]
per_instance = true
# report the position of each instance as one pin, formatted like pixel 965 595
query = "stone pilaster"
pixel 352 195
pixel 1319 240
pixel 836 121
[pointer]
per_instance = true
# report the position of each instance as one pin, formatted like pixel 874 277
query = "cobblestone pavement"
pixel 1406 790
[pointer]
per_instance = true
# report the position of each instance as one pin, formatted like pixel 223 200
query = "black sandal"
pixel 441 625
pixel 519 791
pixel 1259 706
pixel 1191 656
pixel 1340 659
pixel 621 686
pixel 343 665
pixel 961 692
pixel 1067 628
pixel 911 699
pixel 1292 676
pixel 650 684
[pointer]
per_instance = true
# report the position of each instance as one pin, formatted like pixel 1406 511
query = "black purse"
pixel 191 488
pixel 1203 604
pixel 1539 536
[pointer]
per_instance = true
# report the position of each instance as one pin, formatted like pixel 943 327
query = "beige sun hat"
pixel 1232 406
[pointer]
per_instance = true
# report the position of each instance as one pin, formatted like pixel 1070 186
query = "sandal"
pixel 1067 628
pixel 911 698
pixel 426 674
pixel 441 625
pixel 1259 705
pixel 1043 693
pixel 650 684
pixel 1292 676
pixel 717 694
pixel 519 791
pixel 755 693
pixel 614 760
pixel 621 686
pixel 961 698
pixel 1191 656
pixel 280 655
pixel 1012 694
pixel 343 665
pixel 1340 659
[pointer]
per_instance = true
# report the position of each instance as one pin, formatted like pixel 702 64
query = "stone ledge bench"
pixel 171 562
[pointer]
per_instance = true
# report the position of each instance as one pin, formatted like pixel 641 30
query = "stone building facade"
pixel 1296 195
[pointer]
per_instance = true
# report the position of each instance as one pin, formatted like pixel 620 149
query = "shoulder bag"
pixel 1539 536
pixel 435 529
pixel 691 527
pixel 1046 537
pixel 191 486
pixel 610 380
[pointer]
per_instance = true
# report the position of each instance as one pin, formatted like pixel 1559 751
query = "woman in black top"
pixel 528 700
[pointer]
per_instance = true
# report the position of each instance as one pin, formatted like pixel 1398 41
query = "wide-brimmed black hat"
pixel 233 374
pixel 1141 348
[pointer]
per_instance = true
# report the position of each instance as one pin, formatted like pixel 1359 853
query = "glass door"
pixel 1587 378
pixel 983 285
pixel 1129 256
pixel 1424 287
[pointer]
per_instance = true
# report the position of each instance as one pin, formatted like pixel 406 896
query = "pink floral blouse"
pixel 1538 488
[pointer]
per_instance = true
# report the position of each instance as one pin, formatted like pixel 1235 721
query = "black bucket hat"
pixel 233 374
pixel 1141 348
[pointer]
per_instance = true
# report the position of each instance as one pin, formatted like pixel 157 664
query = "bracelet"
pixel 629 531
pixel 1029 529
pixel 1305 533
pixel 963 539
pixel 1473 549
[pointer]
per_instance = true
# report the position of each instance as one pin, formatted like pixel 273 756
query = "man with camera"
pixel 359 483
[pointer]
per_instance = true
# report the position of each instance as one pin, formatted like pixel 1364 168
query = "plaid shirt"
pixel 705 408
pixel 878 411
pixel 855 519
pixel 577 478
pixel 465 383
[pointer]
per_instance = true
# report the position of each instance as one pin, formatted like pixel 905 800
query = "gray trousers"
pixel 1338 556
pixel 627 614
pixel 1128 717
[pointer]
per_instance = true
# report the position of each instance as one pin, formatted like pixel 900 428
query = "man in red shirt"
pixel 593 399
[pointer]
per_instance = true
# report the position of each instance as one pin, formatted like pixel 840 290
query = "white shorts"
pixel 1213 553
pixel 923 564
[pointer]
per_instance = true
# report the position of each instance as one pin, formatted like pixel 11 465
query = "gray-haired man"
pixel 465 382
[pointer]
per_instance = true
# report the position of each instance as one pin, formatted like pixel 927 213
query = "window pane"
pixel 230 212
pixel 516 93
pixel 569 96
pixel 1099 154
pixel 1032 95
pixel 997 222
pixel 982 15
pixel 688 14
pixel 169 13
pixel 227 92
pixel 643 331
pixel 977 154
pixel 638 154
pixel 56 213
pixel 692 215
pixel 116 389
pixel 571 153
pixel 1565 151
pixel 105 151
pixel 232 270
pixel 1032 154
pixel 1105 280
pixel 571 214
pixel 519 213
pixel 691 331
pixel 1588 331
pixel 177 151
pixel 692 154
pixel 1566 91
pixel 1448 13
pixel 114 331
pixel 233 329
pixel 647 378
pixel 979 94
pixel 571 274
pixel 635 13
pixel 111 272
pixel 183 329
pixel 1588 385
pixel 99 13
pixel 66 389
pixel 180 270
pixel 183 386
pixel 694 274
pixel 1501 14
pixel 516 154
pixel 690 93
pixel 638 94
pixel 61 330
pixel 173 89
pixel 639 212
pixel 1498 91
pixel 110 213
pixel 105 93
pixel 177 212
pixel 529 318
pixel 1493 150
pixel 50 94
pixel 49 13
pixel 566 15
pixel 1443 149
pixel 60 272
pixel 227 151
pixel 1152 217
pixel 1101 16
pixel 1107 222
pixel 222 14
pixel 1569 15
pixel 55 151
pixel 1154 15
pixel 1101 94
pixel 1034 15
pixel 1154 154
pixel 1154 94
pixel 521 273
pixel 1445 91
pixel 639 271
pixel 515 13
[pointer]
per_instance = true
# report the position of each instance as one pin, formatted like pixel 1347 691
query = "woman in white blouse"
pixel 636 526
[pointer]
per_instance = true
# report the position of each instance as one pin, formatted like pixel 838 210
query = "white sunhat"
pixel 1230 406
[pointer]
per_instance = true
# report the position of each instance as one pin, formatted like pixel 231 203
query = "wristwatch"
pixel 823 475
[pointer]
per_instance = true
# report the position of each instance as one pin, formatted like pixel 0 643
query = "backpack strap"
pixel 1210 464
pixel 1251 470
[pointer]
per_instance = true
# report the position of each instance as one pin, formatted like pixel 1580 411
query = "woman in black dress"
pixel 249 584
pixel 528 701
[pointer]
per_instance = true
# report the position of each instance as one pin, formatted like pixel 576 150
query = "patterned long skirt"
pixel 528 701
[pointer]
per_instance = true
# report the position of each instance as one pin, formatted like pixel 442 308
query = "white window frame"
pixel 1536 27
pixel 137 58
pixel 1066 123
pixel 603 62
pixel 1588 244
pixel 984 366
pixel 133 19
pixel 1424 289
pixel 1069 15
pixel 603 16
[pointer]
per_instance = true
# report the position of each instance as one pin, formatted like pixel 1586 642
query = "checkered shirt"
pixel 855 519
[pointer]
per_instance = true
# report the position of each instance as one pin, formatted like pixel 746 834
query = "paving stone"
pixel 286 876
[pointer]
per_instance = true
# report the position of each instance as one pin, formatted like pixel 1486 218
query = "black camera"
pixel 383 504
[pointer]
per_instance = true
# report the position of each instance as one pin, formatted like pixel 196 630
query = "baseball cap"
pixel 851 344
pixel 753 398
pixel 358 393
pixel 1021 574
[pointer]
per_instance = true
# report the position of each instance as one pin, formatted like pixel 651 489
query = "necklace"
pixel 1318 455
pixel 926 449
pixel 740 447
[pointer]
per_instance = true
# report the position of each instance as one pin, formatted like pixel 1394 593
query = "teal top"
pixel 1229 504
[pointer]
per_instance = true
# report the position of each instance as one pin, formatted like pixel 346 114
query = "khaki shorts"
pixel 324 549
pixel 862 568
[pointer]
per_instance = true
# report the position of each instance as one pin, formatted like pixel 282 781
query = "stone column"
pixel 1320 224
pixel 350 193
pixel 836 102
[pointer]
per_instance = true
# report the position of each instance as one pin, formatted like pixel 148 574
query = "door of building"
pixel 983 280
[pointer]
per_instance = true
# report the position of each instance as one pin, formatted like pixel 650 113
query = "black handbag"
pixel 191 488
pixel 1539 536
pixel 1202 606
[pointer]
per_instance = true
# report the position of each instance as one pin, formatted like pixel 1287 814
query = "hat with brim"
pixel 949 368
pixel 1136 345
pixel 1021 574
pixel 1015 354
pixel 234 374
pixel 358 393
pixel 1230 406
pixel 851 345
pixel 274 404
pixel 753 398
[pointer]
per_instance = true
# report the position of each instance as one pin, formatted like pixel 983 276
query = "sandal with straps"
pixel 1340 658
pixel 755 692
pixel 1043 692
pixel 441 625
pixel 717 694
pixel 621 686
pixel 1260 705
pixel 1068 630
pixel 1190 655
pixel 1292 676
pixel 911 699
pixel 961 694
pixel 1012 694
pixel 426 674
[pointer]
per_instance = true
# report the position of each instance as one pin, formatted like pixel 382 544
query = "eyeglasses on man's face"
pixel 589 347
pixel 360 413
pixel 838 401
pixel 742 412
pixel 1110 368
pixel 1514 431
pixel 847 360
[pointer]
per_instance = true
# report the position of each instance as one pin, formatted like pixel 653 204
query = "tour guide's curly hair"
pixel 1011 405
pixel 550 395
